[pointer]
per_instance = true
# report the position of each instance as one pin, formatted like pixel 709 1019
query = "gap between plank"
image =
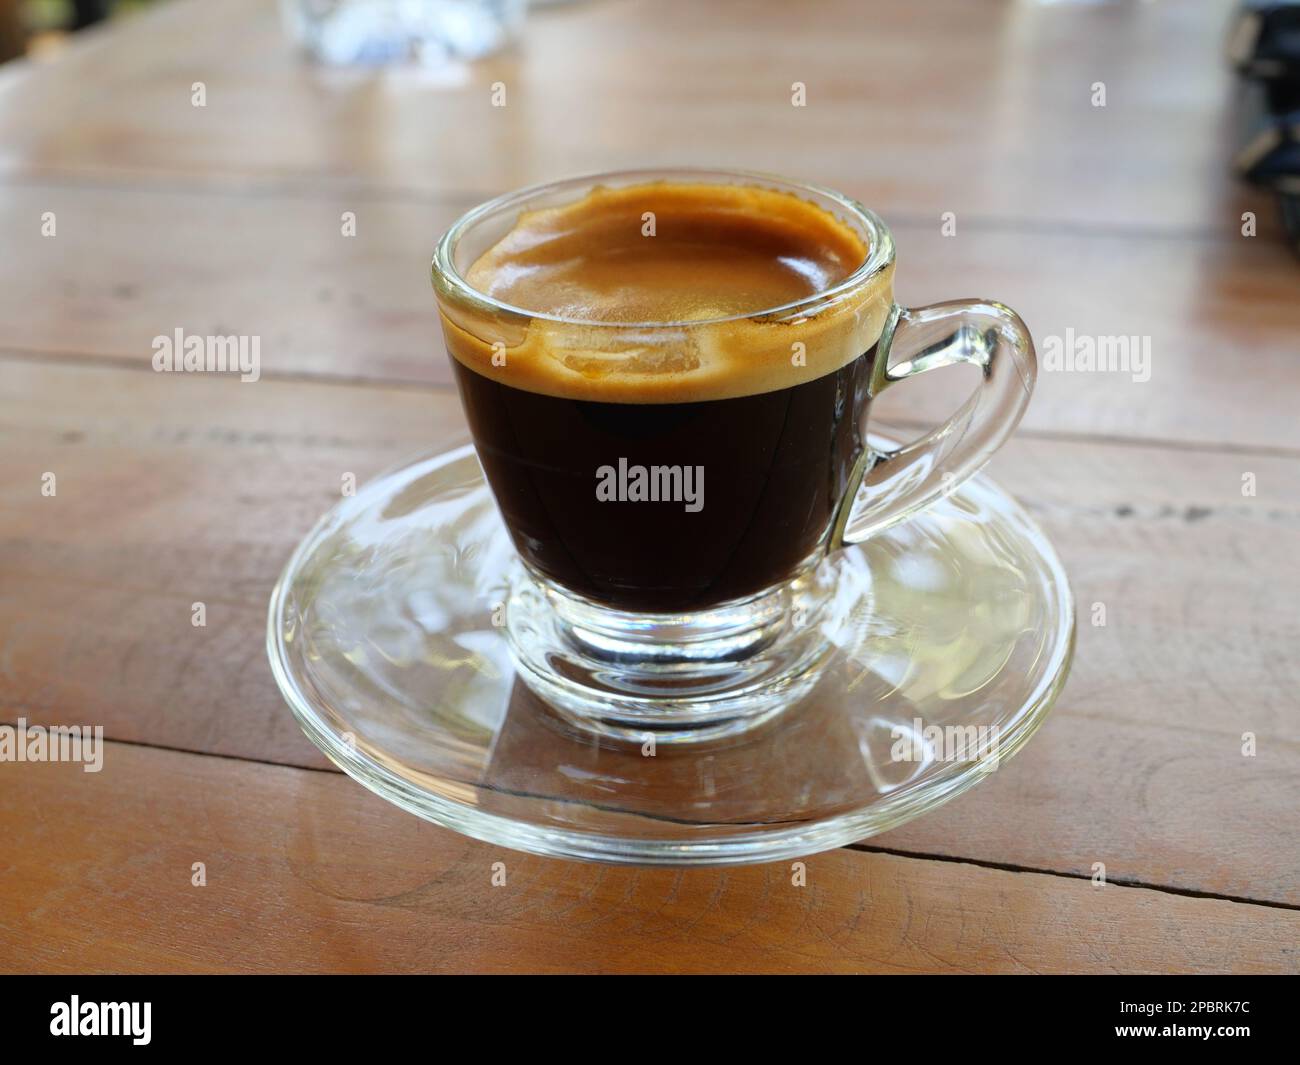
pixel 1011 867
pixel 120 362
pixel 863 848
pixel 169 183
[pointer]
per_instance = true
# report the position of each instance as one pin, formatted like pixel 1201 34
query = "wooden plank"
pixel 126 266
pixel 172 490
pixel 980 109
pixel 306 872
pixel 1110 221
pixel 175 489
pixel 1142 766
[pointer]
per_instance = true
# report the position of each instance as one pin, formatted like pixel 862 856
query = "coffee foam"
pixel 718 251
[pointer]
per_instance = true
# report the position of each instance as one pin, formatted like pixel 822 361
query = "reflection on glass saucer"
pixel 952 636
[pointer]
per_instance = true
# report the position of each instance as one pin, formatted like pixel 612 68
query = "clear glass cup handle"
pixel 891 486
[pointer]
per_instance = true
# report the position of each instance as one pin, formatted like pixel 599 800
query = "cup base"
pixel 676 678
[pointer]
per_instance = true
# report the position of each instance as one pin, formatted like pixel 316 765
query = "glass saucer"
pixel 952 635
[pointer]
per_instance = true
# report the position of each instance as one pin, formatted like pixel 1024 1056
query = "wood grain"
pixel 984 109
pixel 306 872
pixel 175 489
pixel 1114 221
pixel 126 266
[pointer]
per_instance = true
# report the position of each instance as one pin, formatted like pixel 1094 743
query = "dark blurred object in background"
pixel 1291 216
pixel 1264 47
pixel 1271 147
pixel 35 26
pixel 88 12
pixel 12 35
pixel 1265 41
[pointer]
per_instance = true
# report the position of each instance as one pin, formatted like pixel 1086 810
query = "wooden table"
pixel 174 489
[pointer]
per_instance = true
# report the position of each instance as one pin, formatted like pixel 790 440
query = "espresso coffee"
pixel 661 432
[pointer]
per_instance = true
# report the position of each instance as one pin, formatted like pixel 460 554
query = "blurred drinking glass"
pixel 377 32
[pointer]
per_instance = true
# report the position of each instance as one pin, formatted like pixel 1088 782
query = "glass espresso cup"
pixel 676 490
